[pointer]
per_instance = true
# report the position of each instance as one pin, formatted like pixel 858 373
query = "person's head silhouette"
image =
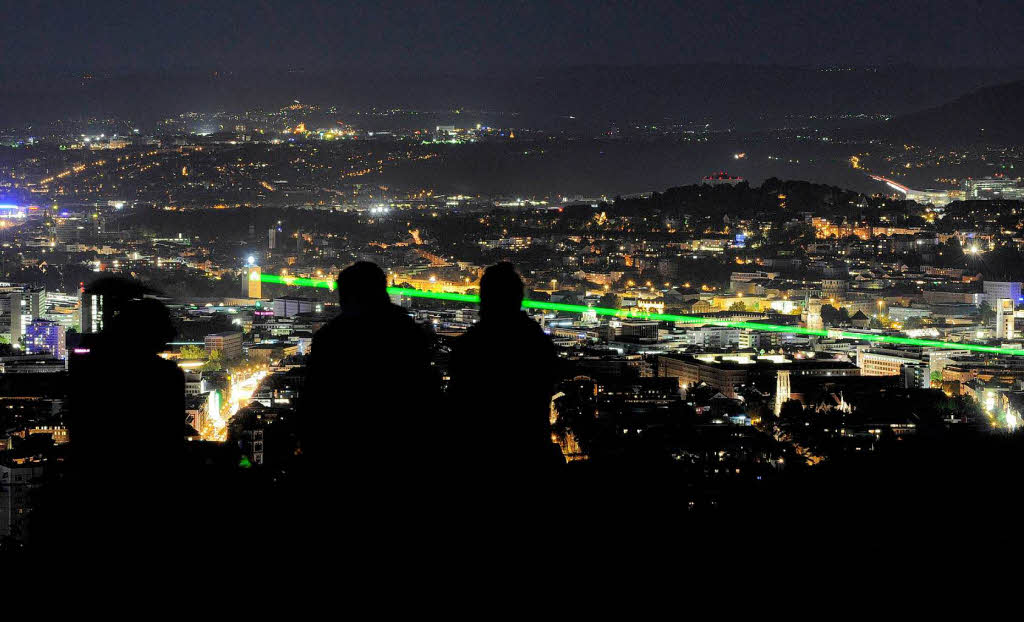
pixel 501 292
pixel 142 326
pixel 363 285
pixel 115 292
pixel 136 329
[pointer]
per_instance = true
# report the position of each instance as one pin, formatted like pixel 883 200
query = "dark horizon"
pixel 596 95
pixel 599 64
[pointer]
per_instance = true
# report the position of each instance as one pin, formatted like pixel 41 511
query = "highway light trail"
pixel 663 317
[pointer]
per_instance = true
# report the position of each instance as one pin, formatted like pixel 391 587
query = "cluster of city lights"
pixel 663 317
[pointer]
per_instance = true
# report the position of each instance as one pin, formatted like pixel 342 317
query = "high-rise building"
pixel 1004 319
pixel 995 290
pixel 25 306
pixel 92 313
pixel 18 321
pixel 916 376
pixel 255 282
pixel 44 336
pixel 75 228
pixel 272 234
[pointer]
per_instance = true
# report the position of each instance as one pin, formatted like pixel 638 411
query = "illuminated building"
pixel 31 364
pixel 62 309
pixel 782 389
pixel 712 337
pixel 745 323
pixel 813 319
pixel 24 305
pixel 11 215
pixel 287 306
pixel 993 188
pixel 640 330
pixel 17 326
pixel 916 376
pixel 727 372
pixel 507 244
pixel 996 290
pixel 721 178
pixel 833 288
pixel 43 336
pixel 92 313
pixel 824 228
pixel 73 228
pixel 883 362
pixel 229 344
pixel 938 198
pixel 254 282
pixel 1004 319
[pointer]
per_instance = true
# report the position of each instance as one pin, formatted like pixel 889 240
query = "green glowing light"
pixel 662 317
pixel 301 282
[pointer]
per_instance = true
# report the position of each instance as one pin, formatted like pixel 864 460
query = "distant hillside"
pixel 992 115
pixel 592 96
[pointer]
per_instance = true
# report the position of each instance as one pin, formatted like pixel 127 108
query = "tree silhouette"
pixel 610 301
pixel 214 363
pixel 986 313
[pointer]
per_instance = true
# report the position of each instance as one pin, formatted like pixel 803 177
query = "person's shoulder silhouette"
pixel 369 385
pixel 126 413
pixel 502 373
pixel 127 400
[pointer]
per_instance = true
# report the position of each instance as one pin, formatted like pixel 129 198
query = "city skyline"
pixel 465 275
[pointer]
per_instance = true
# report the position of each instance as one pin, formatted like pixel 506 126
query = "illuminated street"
pixel 242 389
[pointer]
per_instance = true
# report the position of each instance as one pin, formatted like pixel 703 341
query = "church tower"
pixel 781 390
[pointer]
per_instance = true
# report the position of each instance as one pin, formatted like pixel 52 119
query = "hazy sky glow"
pixel 477 36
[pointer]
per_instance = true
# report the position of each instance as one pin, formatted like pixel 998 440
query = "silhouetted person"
pixel 367 410
pixel 502 379
pixel 126 424
pixel 129 403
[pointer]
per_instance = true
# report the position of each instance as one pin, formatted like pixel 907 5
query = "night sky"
pixel 465 37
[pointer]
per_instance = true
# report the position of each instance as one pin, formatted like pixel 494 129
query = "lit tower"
pixel 1004 318
pixel 813 310
pixel 781 390
pixel 254 278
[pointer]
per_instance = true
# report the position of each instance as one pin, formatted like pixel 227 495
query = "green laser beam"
pixel 663 317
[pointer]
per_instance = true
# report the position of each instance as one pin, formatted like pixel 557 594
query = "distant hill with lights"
pixel 716 96
pixel 988 115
